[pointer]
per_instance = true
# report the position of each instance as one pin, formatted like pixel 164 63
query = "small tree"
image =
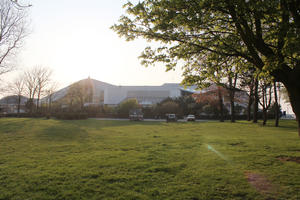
pixel 17 88
pixel 187 104
pixel 248 84
pixel 43 77
pixel 76 96
pixel 37 79
pixel 50 91
pixel 168 107
pixel 127 105
pixel 266 98
pixel 212 101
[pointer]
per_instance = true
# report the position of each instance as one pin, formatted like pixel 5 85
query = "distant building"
pixel 9 104
pixel 112 95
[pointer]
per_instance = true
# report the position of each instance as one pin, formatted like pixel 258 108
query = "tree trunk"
pixel 232 108
pixel 265 117
pixel 249 111
pixel 294 95
pixel 298 126
pixel 19 104
pixel 276 106
pixel 50 101
pixel 290 79
pixel 250 101
pixel 232 86
pixel 38 101
pixel 221 105
pixel 256 99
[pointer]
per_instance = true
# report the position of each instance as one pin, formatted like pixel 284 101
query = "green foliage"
pixel 127 105
pixel 210 109
pixel 226 28
pixel 91 159
pixel 168 107
pixel 78 94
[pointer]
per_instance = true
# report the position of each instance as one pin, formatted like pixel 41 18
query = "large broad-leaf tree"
pixel 263 32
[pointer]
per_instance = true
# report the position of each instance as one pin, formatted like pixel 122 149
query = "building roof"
pixel 113 94
pixel 13 99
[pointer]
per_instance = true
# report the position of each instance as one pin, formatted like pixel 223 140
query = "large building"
pixel 9 104
pixel 108 94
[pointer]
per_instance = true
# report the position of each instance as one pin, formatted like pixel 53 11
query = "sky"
pixel 74 39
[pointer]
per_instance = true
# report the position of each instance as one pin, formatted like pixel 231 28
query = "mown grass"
pixel 91 159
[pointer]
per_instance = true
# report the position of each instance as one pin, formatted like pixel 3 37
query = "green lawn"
pixel 91 159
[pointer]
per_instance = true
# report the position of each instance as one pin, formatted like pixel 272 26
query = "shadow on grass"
pixel 99 124
pixel 13 125
pixel 78 130
pixel 62 132
pixel 283 124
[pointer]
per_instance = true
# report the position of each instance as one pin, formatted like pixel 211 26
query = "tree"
pixel 264 33
pixel 50 91
pixel 216 69
pixel 13 30
pixel 266 98
pixel 276 104
pixel 232 87
pixel 187 104
pixel 37 80
pixel 78 94
pixel 168 107
pixel 17 87
pixel 214 98
pixel 247 83
pixel 212 101
pixel 20 5
pixel 43 77
pixel 127 105
pixel 31 86
pixel 256 100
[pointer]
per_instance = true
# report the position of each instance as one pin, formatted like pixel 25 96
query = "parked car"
pixel 171 118
pixel 136 115
pixel 191 118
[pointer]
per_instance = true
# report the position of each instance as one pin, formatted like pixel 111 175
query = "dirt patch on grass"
pixel 260 183
pixel 289 158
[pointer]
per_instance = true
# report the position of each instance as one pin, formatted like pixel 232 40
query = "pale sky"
pixel 73 37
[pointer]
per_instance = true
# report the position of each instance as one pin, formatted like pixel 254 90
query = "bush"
pixel 71 116
pixel 124 107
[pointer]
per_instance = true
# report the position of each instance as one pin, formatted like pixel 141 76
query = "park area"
pixel 92 159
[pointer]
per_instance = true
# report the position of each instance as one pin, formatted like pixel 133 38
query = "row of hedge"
pixel 63 116
pixel 71 116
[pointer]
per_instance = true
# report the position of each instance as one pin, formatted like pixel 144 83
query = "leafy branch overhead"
pixel 253 30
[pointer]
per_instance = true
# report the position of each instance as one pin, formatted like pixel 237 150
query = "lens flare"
pixel 215 151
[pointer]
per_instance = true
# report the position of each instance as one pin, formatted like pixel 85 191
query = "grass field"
pixel 91 159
